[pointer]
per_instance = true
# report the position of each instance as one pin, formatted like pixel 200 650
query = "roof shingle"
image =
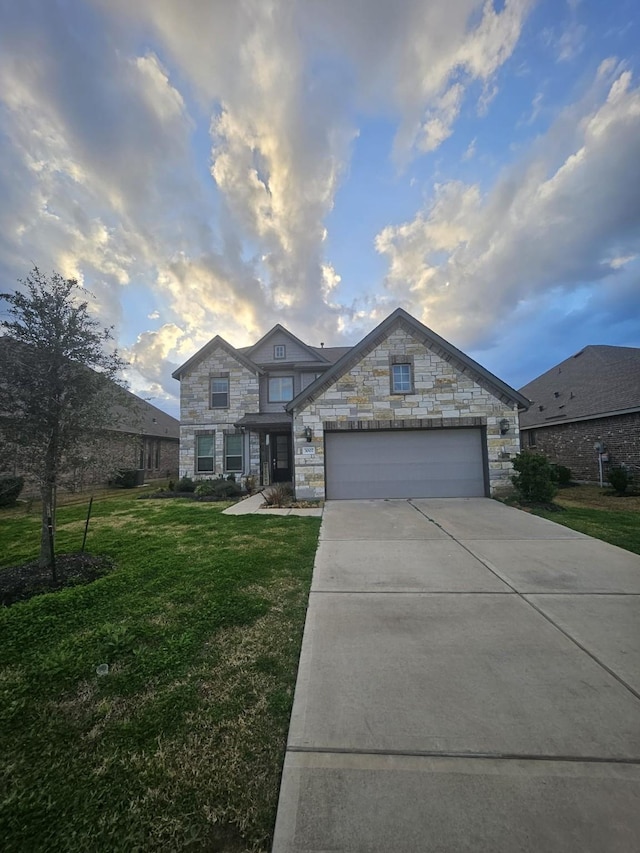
pixel 596 381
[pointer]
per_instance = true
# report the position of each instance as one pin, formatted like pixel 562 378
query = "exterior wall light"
pixel 308 433
pixel 504 426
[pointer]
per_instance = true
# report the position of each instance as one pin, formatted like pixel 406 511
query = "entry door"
pixel 280 443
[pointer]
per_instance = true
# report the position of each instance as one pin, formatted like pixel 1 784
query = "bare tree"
pixel 58 386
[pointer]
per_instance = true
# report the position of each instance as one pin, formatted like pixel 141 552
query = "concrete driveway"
pixel 469 681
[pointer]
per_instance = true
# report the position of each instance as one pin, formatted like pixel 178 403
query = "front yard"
pixel 180 746
pixel 600 513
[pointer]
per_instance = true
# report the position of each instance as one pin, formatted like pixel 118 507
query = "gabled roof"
pixel 314 352
pixel 596 381
pixel 137 415
pixel 431 340
pixel 213 344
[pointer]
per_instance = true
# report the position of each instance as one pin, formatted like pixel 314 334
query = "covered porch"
pixel 271 431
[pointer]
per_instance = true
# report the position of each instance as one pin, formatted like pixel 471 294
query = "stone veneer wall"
pixel 363 393
pixel 196 414
pixel 571 444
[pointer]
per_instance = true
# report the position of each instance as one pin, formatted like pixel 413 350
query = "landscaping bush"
pixel 10 488
pixel 186 484
pixel 227 489
pixel 205 488
pixel 534 481
pixel 218 488
pixel 250 483
pixel 561 474
pixel 126 478
pixel 279 494
pixel 620 478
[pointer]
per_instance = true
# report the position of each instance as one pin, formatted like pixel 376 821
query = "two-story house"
pixel 403 413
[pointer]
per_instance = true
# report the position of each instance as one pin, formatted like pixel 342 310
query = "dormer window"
pixel 279 351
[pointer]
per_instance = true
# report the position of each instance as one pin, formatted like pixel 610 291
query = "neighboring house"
pixel 152 435
pixel 593 396
pixel 401 414
pixel 137 436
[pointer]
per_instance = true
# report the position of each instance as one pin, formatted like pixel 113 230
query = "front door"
pixel 280 444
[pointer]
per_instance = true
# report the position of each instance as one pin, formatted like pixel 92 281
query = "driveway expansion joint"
pixel 490 756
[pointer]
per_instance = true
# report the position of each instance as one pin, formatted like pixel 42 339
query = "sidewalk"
pixel 252 505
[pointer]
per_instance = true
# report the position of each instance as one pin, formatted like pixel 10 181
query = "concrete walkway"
pixel 469 681
pixel 254 504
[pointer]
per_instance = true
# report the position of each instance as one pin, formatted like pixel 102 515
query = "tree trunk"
pixel 47 535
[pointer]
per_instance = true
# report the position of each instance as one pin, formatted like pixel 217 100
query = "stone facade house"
pixel 589 399
pixel 401 414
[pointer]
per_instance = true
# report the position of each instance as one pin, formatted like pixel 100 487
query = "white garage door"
pixel 434 463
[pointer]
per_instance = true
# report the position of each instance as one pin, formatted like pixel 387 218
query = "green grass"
pixel 599 513
pixel 180 747
pixel 614 526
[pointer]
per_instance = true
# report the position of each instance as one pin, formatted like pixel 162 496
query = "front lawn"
pixel 180 746
pixel 600 513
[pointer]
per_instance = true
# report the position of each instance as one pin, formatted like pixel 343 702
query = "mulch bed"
pixel 20 583
pixel 189 495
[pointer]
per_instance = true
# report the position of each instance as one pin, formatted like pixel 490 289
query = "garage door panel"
pixel 406 464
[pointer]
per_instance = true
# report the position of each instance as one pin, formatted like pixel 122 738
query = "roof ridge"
pixel 480 374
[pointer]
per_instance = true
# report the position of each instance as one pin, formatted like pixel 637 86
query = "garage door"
pixel 436 463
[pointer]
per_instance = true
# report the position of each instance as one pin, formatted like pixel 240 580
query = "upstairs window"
pixel 401 379
pixel 279 351
pixel 233 453
pixel 205 453
pixel 220 392
pixel 280 389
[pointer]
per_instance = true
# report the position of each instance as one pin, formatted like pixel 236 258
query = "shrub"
pixel 171 486
pixel 279 494
pixel 620 478
pixel 227 489
pixel 10 488
pixel 219 489
pixel 231 478
pixel 186 484
pixel 205 488
pixel 534 478
pixel 561 474
pixel 125 478
pixel 250 483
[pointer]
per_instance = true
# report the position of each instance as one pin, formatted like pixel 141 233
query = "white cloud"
pixel 467 260
pixel 106 171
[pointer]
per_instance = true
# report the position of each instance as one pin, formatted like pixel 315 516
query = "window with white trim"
pixel 220 392
pixel 205 453
pixel 233 453
pixel 401 380
pixel 280 389
pixel 279 351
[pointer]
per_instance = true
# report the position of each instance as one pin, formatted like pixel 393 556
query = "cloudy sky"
pixel 217 166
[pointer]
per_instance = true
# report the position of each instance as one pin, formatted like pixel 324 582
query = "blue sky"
pixel 216 167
